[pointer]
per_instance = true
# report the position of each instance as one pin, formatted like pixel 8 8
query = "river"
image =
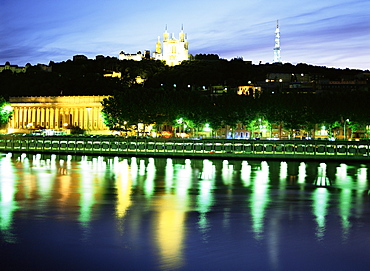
pixel 67 212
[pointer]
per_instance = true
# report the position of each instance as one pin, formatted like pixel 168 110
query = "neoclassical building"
pixel 57 113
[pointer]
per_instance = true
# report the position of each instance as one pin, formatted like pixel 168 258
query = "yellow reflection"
pixel 64 189
pixel 320 205
pixel 170 227
pixel 170 233
pixel 7 200
pixel 124 190
pixel 259 199
pixel 150 176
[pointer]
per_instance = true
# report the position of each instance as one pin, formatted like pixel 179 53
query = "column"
pixel 56 118
pixel 25 118
pixel 42 117
pixel 14 120
pixel 38 117
pixel 51 116
pixel 33 117
pixel 86 119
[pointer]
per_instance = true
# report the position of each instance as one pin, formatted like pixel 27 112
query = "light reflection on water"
pixel 185 214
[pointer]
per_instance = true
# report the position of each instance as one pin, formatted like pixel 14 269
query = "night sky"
pixel 332 33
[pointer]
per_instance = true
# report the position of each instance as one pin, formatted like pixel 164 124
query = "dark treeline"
pixel 86 77
pixel 293 111
pixel 170 93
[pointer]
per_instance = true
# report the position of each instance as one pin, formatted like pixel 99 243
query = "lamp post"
pixel 344 129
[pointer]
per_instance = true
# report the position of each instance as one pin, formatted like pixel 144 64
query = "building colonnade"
pixel 57 113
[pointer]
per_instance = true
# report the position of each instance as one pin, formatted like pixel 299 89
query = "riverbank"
pixel 204 148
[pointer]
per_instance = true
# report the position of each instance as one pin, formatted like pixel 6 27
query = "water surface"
pixel 108 213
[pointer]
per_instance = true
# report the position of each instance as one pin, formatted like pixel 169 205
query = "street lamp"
pixel 344 129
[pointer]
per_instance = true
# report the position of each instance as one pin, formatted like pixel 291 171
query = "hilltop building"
pixel 137 57
pixel 173 51
pixel 12 68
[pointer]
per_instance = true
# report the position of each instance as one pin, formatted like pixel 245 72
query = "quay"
pixel 177 147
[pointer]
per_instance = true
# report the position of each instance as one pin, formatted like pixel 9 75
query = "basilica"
pixel 171 50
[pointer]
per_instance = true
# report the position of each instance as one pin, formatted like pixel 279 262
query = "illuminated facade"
pixel 57 113
pixel 173 51
pixel 249 90
pixel 137 57
pixel 12 68
pixel 277 57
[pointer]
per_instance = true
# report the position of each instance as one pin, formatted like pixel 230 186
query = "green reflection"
pixel 246 173
pixel 345 211
pixel 302 173
pixel 205 198
pixel 259 199
pixel 7 200
pixel 208 171
pixel 183 179
pixel 227 173
pixel 86 192
pixel 320 205
pixel 134 171
pixel 169 178
pixel 361 189
pixel 342 178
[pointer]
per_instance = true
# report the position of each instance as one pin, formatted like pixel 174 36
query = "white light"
pixel 7 108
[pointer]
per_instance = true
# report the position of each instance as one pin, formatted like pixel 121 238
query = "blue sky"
pixel 333 33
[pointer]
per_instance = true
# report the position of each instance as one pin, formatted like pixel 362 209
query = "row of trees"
pixel 162 106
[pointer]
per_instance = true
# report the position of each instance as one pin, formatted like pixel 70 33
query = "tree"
pixel 6 112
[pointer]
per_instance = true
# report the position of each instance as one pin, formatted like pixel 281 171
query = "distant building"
pixel 45 68
pixel 337 86
pixel 12 68
pixel 113 74
pixel 173 51
pixel 249 90
pixel 137 57
pixel 79 57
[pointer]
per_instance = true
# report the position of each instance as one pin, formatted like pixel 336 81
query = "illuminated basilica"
pixel 173 51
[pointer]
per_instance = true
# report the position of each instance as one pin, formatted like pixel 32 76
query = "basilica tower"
pixel 277 57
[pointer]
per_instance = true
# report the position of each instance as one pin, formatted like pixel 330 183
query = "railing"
pixel 280 149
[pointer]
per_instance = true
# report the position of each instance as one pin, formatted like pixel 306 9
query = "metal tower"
pixel 277 58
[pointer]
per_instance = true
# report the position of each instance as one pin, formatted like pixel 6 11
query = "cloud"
pixel 52 30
